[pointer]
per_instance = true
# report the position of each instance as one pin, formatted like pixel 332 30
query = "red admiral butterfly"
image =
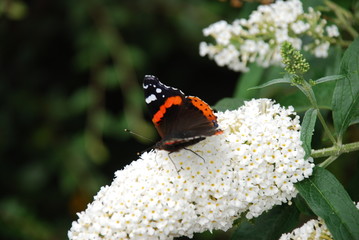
pixel 180 120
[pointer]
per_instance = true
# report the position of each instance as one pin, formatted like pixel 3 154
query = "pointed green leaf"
pixel 270 225
pixel 307 130
pixel 329 79
pixel 272 82
pixel 328 199
pixel 346 92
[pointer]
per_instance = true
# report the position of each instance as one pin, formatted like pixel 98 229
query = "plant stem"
pixel 328 161
pixel 334 152
pixel 306 88
pixel 326 129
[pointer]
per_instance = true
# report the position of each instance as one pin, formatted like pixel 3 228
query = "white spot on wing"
pixel 151 98
pixel 158 90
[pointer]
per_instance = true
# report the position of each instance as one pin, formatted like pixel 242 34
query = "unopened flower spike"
pixel 251 167
pixel 294 62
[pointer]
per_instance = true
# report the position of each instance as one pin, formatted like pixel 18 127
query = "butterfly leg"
pixel 194 153
pixel 173 162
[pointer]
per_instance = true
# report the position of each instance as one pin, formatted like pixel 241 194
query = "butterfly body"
pixel 180 120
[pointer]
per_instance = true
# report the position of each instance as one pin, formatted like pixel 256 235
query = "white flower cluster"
pixel 259 38
pixel 247 170
pixel 313 229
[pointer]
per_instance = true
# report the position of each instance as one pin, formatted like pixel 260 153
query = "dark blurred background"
pixel 71 75
pixel 70 83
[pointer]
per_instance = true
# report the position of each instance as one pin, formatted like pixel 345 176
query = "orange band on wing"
pixel 204 107
pixel 176 100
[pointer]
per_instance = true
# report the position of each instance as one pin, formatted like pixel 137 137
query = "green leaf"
pixel 272 82
pixel 248 80
pixel 269 225
pixel 307 130
pixel 324 93
pixel 329 79
pixel 228 104
pixel 346 93
pixel 302 205
pixel 328 199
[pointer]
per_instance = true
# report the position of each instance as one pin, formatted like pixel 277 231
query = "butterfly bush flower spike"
pixel 249 168
pixel 259 38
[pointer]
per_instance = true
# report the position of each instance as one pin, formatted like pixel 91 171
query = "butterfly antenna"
pixel 195 153
pixel 138 135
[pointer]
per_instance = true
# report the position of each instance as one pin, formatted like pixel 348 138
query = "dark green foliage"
pixel 270 225
pixel 71 75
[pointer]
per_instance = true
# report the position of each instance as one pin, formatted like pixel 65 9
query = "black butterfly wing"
pixel 161 100
pixel 181 121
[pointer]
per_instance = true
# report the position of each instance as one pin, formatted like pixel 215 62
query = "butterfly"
pixel 180 120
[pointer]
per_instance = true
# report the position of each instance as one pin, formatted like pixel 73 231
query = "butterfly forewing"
pixel 157 93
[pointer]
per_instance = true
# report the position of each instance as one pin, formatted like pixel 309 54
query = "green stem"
pixel 328 161
pixel 306 88
pixel 325 126
pixel 344 43
pixel 334 152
